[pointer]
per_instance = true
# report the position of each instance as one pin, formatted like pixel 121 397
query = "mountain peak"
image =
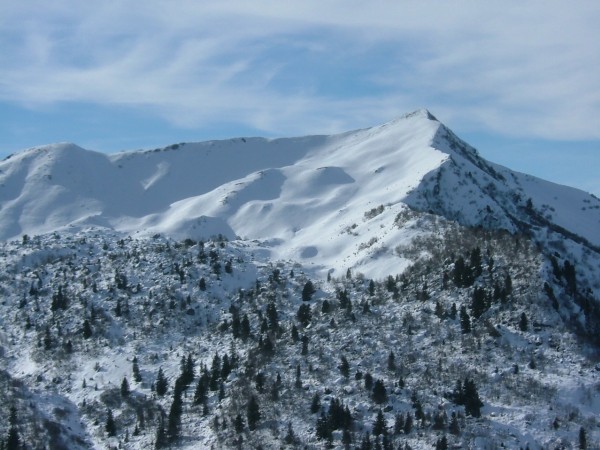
pixel 421 112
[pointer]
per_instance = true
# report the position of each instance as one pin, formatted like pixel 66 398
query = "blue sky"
pixel 518 80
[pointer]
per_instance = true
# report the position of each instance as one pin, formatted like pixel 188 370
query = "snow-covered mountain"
pixel 384 288
pixel 327 201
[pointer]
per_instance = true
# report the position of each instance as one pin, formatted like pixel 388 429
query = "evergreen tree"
pixel 238 424
pixel 465 320
pixel 47 339
pixel 110 427
pixel 295 334
pixel 391 362
pixel 439 420
pixel 476 267
pixel 379 392
pixel 454 427
pixel 523 322
pixel 508 285
pixel 304 314
pixel 161 383
pixel 125 387
pixel 87 329
pixel 368 381
pixel 442 443
pixel 298 382
pixel 304 345
pixel 253 413
pixel 408 423
pixel 137 376
pixel 174 419
pixel 13 440
pixel 472 401
pixel 399 424
pixel 201 389
pixel 273 321
pixel 315 405
pixel 245 327
pixel 582 438
pixel 453 311
pixel 344 367
pixel 379 426
pixel 307 291
pixel 161 440
pixel 478 304
pixel 290 437
pixel 322 429
pixel 225 367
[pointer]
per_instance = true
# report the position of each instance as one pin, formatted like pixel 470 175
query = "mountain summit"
pixel 330 201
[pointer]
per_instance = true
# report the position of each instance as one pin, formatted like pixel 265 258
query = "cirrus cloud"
pixel 514 68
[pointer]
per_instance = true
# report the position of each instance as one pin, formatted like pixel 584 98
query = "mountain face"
pixel 328 201
pixel 384 288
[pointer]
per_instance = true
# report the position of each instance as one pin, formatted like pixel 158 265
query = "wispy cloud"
pixel 527 68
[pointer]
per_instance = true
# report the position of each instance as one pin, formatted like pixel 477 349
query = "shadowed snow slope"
pixel 329 201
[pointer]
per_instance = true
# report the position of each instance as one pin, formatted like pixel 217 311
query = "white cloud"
pixel 526 68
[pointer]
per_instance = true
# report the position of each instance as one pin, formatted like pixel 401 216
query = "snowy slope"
pixel 328 201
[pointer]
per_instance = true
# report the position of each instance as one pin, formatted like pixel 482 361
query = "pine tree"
pixel 290 437
pixel 225 367
pixel 161 383
pixel 472 401
pixel 453 311
pixel 398 424
pixel 161 440
pixel 238 424
pixel 391 362
pixel 344 367
pixel 253 413
pixel 304 314
pixel 442 443
pixel 379 392
pixel 174 419
pixel 110 427
pixel 368 381
pixel 125 387
pixel 304 350
pixel 379 426
pixel 322 429
pixel 582 438
pixel 13 440
pixel 298 382
pixel 307 291
pixel 315 405
pixel 454 427
pixel 87 329
pixel 201 389
pixel 523 322
pixel 478 305
pixel 245 327
pixel 408 423
pixel 137 376
pixel 465 320
pixel 273 321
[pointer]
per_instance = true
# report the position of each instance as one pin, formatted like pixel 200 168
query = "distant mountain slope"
pixel 330 201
